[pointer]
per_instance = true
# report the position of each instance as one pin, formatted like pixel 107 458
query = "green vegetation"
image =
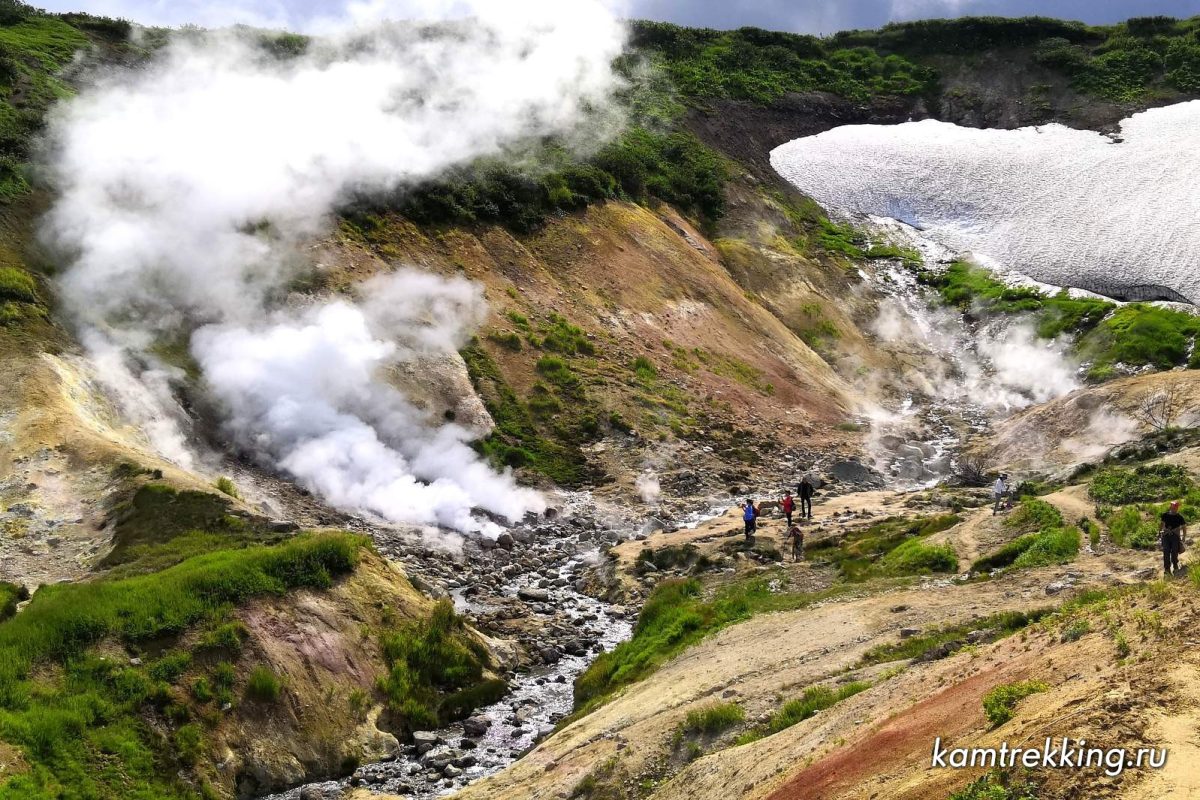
pixel 263 685
pixel 1050 546
pixel 80 719
pixel 226 486
pixel 714 718
pixel 813 700
pixel 1147 483
pixel 11 594
pixel 1106 335
pixel 674 617
pixel 947 639
pixel 436 670
pixel 914 557
pixel 753 64
pixel 673 557
pixel 543 435
pixel 871 552
pixel 999 703
pixel 644 163
pixel 1033 514
pixel 159 526
pixel 1127 527
pixel 997 785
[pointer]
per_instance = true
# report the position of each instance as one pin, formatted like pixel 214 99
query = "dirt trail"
pixel 769 657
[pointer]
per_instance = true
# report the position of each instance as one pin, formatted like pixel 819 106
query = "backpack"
pixel 750 513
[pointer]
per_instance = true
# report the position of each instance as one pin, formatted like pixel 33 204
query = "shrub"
pixel 226 486
pixel 224 674
pixel 189 743
pixel 1051 546
pixel 1118 486
pixel 1128 528
pixel 17 285
pixel 227 637
pixel 1000 702
pixel 714 718
pixel 1033 514
pixel 435 670
pixel 1004 623
pixel 263 685
pixel 814 699
pixel 914 557
pixel 998 785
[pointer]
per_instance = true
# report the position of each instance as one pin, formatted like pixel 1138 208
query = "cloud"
pixel 189 190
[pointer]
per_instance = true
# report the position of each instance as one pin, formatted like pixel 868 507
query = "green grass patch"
pixel 542 434
pixel 80 720
pixel 435 670
pixel 948 638
pixel 159 526
pixel 1128 527
pixel 914 557
pixel 814 699
pixel 11 594
pixel 1051 546
pixel 17 285
pixel 263 685
pixel 1033 514
pixel 998 785
pixel 714 718
pixel 862 554
pixel 675 616
pixel 1000 702
pixel 1118 486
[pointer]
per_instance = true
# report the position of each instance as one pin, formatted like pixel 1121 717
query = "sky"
pixel 802 16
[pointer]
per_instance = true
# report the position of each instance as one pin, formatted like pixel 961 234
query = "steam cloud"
pixel 188 190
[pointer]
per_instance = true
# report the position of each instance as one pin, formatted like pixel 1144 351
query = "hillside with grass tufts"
pixel 665 327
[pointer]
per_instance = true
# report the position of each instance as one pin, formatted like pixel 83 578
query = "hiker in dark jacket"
pixel 750 517
pixel 805 490
pixel 1171 530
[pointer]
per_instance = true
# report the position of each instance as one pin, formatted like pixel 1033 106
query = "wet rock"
pixel 477 725
pixel 531 594
pixel 425 738
pixel 505 540
pixel 856 473
pixel 282 526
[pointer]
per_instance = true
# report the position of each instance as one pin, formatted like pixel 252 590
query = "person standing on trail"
pixel 788 505
pixel 750 517
pixel 999 492
pixel 1171 531
pixel 796 536
pixel 805 490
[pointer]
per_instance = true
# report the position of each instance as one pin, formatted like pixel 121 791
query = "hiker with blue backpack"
pixel 750 517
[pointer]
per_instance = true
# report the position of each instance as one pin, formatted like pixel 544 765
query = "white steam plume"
pixel 188 189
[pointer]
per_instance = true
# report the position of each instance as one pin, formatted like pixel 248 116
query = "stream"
pixel 539 583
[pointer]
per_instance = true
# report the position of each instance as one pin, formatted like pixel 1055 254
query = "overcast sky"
pixel 807 16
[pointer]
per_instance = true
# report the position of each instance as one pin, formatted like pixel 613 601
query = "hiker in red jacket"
pixel 788 505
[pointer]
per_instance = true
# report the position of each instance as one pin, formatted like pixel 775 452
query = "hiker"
pixel 1171 533
pixel 750 517
pixel 805 490
pixel 797 538
pixel 788 505
pixel 999 492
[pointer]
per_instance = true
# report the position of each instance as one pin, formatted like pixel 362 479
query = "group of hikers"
pixel 1172 531
pixel 795 536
